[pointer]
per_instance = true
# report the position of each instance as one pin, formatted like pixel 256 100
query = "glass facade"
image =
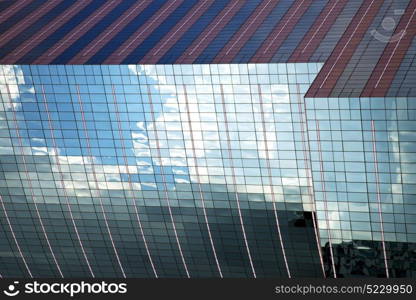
pixel 201 171
pixel 168 171
pixel 364 175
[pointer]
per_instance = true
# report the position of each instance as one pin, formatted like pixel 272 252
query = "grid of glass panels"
pixel 156 171
pixel 364 175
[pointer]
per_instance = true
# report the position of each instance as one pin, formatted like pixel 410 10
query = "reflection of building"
pixel 365 258
pixel 216 138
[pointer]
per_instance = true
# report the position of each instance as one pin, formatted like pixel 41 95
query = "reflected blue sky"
pixel 168 84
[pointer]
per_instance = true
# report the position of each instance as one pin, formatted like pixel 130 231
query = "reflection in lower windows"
pixel 137 170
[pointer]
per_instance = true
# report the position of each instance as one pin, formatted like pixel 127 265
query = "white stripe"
pixel 89 20
pixel 319 27
pixel 63 184
pixel 395 48
pixel 199 184
pixel 235 183
pixel 50 26
pixel 7 33
pixel 32 192
pixel 383 244
pixel 245 30
pixel 205 36
pixel 269 170
pixel 179 28
pixel 131 185
pixel 11 11
pixel 321 165
pixel 346 44
pixel 112 28
pixel 84 123
pixel 154 19
pixel 283 27
pixel 164 183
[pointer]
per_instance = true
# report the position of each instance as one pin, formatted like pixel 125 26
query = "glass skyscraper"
pixel 200 139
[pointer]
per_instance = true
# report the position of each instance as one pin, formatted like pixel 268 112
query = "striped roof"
pixel 368 46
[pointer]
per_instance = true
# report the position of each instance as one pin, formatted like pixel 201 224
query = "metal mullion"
pixel 199 184
pixel 5 210
pixel 302 115
pixel 14 237
pixel 164 183
pixel 321 164
pixel 383 244
pixel 235 183
pixel 63 184
pixel 84 123
pixel 269 170
pixel 31 188
pixel 136 210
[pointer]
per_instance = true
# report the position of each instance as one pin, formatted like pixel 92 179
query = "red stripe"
pixel 318 31
pixel 12 9
pixel 107 35
pixel 76 33
pixel 203 40
pixel 383 74
pixel 176 33
pixel 19 26
pixel 344 50
pixel 37 38
pixel 281 31
pixel 143 32
pixel 238 40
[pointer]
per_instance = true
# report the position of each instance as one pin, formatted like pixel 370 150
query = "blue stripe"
pixel 6 4
pixel 34 28
pixel 403 83
pixel 227 32
pixel 255 41
pixel 60 32
pixel 193 32
pixel 142 49
pixel 299 31
pixel 112 45
pixel 91 34
pixel 19 15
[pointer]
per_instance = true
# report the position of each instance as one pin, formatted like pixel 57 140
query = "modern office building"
pixel 208 138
